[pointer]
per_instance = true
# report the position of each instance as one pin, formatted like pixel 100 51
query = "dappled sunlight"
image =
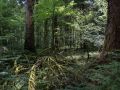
pixel 59 45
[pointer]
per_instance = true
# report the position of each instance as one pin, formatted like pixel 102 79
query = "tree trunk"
pixel 54 33
pixel 29 35
pixel 112 37
pixel 46 42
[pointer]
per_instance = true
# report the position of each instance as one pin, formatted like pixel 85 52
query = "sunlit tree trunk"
pixel 29 35
pixel 112 37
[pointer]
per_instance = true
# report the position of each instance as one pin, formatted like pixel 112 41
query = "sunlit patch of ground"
pixel 83 55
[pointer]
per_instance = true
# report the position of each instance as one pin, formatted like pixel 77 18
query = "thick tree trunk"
pixel 29 35
pixel 112 37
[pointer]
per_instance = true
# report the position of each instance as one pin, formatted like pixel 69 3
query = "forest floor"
pixel 60 72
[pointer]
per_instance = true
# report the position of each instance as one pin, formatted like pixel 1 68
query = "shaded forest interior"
pixel 59 45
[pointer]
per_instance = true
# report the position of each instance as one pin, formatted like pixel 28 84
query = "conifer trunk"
pixel 112 34
pixel 29 35
pixel 112 37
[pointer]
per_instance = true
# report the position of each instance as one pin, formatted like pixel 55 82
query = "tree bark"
pixel 112 37
pixel 112 34
pixel 29 35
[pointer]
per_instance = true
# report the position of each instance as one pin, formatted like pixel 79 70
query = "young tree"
pixel 29 35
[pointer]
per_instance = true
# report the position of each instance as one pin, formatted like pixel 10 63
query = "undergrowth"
pixel 56 72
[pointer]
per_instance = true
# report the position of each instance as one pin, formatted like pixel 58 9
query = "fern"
pixel 32 79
